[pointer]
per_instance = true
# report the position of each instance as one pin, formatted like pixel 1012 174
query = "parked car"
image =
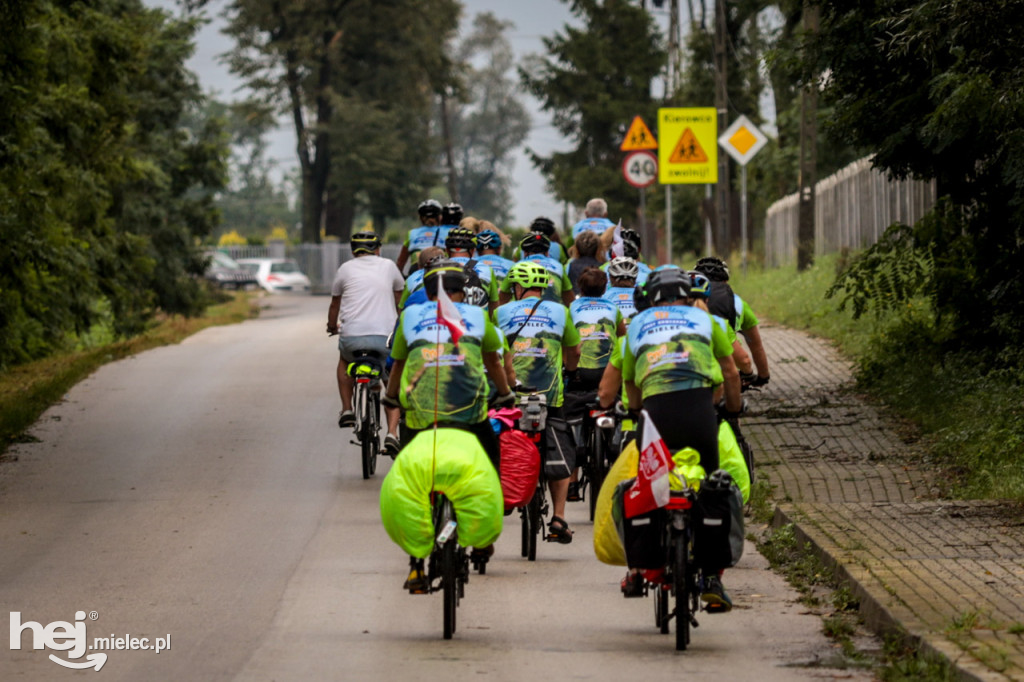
pixel 277 275
pixel 225 272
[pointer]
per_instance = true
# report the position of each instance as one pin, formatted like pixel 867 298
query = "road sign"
pixel 640 169
pixel 638 137
pixel 742 140
pixel 688 153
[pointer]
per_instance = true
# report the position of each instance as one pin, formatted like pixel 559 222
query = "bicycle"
pixel 448 564
pixel 682 577
pixel 597 432
pixel 367 370
pixel 532 423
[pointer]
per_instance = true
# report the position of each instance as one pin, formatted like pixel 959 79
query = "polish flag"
pixel 447 313
pixel 651 489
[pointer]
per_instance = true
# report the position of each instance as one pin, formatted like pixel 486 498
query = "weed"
pixel 1016 629
pixel 964 622
pixel 904 663
pixel 761 506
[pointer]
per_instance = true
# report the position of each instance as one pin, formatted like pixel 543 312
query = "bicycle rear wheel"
pixel 596 466
pixel 450 586
pixel 681 589
pixel 536 522
pixel 368 440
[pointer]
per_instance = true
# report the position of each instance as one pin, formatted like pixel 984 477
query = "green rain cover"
pixel 462 471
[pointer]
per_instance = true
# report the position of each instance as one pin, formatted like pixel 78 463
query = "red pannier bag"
pixel 520 468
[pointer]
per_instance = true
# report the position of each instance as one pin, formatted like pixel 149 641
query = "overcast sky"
pixel 532 18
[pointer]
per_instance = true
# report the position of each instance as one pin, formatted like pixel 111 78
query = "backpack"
pixel 476 293
pixel 722 302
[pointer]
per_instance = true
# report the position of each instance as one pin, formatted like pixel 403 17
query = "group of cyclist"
pixel 591 320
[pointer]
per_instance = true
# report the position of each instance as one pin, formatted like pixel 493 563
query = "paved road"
pixel 202 491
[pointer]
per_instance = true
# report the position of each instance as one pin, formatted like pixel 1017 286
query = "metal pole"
pixel 743 217
pixel 707 221
pixel 668 220
pixel 643 217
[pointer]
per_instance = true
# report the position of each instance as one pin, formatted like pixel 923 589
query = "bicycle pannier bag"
pixel 520 468
pixel 642 535
pixel 718 532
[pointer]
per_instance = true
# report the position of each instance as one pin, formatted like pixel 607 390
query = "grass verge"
pixel 26 391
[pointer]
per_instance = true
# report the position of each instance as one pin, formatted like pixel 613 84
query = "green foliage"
pixel 593 93
pixel 102 193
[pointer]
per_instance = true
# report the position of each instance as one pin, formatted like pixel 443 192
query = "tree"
pixel 593 81
pixel 487 121
pixel 936 91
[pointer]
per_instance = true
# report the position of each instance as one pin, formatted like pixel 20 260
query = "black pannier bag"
pixel 718 524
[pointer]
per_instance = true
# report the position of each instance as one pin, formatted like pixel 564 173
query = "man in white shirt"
pixel 365 296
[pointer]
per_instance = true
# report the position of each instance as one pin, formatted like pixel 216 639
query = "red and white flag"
pixel 447 313
pixel 651 489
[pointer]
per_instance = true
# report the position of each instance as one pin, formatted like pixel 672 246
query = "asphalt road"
pixel 203 494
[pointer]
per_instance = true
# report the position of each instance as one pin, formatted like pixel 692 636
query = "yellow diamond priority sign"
pixel 742 140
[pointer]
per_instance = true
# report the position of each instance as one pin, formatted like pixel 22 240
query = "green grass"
pixel 905 360
pixel 26 391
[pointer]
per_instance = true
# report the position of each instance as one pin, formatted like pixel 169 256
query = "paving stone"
pixel 949 573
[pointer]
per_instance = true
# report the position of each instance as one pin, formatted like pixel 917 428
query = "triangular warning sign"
pixel 638 137
pixel 688 150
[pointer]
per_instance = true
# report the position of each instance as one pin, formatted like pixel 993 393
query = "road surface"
pixel 202 495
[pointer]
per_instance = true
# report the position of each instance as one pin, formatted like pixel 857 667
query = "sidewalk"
pixel 949 573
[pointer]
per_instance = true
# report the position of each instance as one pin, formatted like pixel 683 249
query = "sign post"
pixel 742 140
pixel 640 167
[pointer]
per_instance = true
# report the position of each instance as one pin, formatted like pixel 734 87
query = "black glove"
pixel 388 401
pixel 507 400
pixel 760 381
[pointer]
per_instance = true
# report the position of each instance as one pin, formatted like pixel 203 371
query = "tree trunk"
pixel 446 131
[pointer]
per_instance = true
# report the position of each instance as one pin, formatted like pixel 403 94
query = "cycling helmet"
pixel 535 242
pixel 364 242
pixel 630 243
pixel 700 285
pixel 488 239
pixel 545 226
pixel 452 214
pixel 453 274
pixel 623 267
pixel 528 275
pixel 429 209
pixel 461 239
pixel 713 268
pixel 666 285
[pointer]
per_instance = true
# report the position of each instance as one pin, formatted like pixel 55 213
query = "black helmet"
pixel 713 268
pixel 545 226
pixel 630 243
pixel 364 242
pixel 535 242
pixel 452 214
pixel 453 275
pixel 429 209
pixel 461 239
pixel 666 285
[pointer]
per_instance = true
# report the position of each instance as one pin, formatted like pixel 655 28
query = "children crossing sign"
pixel 638 137
pixel 688 153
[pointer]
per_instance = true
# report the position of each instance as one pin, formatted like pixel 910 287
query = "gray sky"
pixel 532 18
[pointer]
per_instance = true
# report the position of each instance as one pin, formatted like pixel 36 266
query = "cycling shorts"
pixel 687 419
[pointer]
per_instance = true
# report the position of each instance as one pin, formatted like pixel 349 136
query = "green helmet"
pixel 528 275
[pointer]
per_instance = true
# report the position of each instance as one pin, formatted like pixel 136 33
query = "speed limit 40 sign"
pixel 640 169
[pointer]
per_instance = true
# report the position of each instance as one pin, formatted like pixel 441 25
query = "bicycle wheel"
pixel 365 426
pixel 597 455
pixel 524 514
pixel 450 586
pixel 661 611
pixel 681 588
pixel 536 522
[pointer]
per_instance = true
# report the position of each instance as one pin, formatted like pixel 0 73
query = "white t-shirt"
pixel 366 285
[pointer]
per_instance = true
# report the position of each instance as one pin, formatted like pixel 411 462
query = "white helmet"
pixel 623 267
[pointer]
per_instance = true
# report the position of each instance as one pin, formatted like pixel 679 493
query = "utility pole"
pixel 722 106
pixel 808 153
pixel 671 85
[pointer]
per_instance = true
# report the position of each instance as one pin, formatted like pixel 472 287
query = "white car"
pixel 277 275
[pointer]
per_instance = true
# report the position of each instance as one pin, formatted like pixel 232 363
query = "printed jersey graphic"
pixel 673 348
pixel 596 321
pixel 598 225
pixel 430 356
pixel 537 347
pixel 498 264
pixel 622 298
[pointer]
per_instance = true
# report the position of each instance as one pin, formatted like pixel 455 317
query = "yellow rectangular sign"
pixel 688 146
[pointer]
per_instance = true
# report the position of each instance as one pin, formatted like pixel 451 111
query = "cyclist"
pixel 586 257
pixel 534 248
pixel 365 293
pixel 674 356
pixel 546 226
pixel 630 249
pixel 622 273
pixel 451 215
pixel 741 319
pixel 460 245
pixel 541 335
pixel 438 381
pixel 414 292
pixel 488 248
pixel 428 234
pixel 595 218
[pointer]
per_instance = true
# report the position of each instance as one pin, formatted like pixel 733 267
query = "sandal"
pixel 558 530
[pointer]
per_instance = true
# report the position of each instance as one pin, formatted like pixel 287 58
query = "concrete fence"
pixel 852 208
